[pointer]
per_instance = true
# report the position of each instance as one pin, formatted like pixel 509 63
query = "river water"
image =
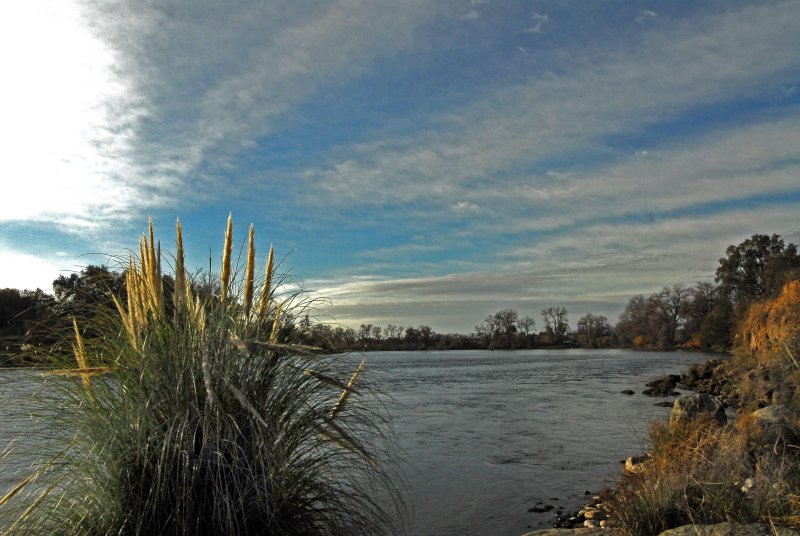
pixel 489 434
pixel 486 435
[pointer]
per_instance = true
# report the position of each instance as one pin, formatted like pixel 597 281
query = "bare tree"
pixel 668 304
pixel 376 333
pixel 591 327
pixel 555 321
pixel 526 324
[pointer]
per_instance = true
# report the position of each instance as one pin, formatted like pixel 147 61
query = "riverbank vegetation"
pixel 183 407
pixel 747 470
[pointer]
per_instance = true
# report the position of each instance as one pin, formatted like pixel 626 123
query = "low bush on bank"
pixel 186 413
pixel 704 474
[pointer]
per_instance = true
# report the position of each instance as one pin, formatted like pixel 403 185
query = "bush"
pixel 186 414
pixel 700 473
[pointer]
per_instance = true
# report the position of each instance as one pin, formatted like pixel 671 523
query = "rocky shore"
pixel 719 529
pixel 717 388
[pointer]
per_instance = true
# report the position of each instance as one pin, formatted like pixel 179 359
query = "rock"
pixel 628 392
pixel 539 508
pixel 662 386
pixel 774 421
pixel 730 529
pixel 689 407
pixel 664 404
pixel 596 515
pixel 634 464
pixel 748 486
pixel 569 532
pixel 591 523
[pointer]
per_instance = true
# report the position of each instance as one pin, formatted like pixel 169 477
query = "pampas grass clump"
pixel 189 415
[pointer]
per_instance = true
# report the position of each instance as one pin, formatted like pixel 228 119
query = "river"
pixel 486 435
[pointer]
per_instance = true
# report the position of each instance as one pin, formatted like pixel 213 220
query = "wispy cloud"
pixel 596 269
pixel 539 20
pixel 598 97
pixel 646 15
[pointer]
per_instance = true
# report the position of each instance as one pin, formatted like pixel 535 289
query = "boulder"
pixel 774 422
pixel 730 529
pixel 634 464
pixel 689 407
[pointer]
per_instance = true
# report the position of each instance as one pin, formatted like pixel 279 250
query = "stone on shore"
pixel 635 464
pixel 730 529
pixel 568 532
pixel 690 407
pixel 662 386
pixel 774 422
pixel 720 529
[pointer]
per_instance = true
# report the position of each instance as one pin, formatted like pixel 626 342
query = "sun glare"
pixel 58 84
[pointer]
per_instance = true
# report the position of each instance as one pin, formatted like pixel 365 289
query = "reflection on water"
pixel 485 434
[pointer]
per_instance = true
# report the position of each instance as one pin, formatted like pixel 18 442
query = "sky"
pixel 412 161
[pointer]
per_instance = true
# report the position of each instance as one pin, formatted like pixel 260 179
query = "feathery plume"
pixel 180 275
pixel 276 324
pixel 346 393
pixel 249 273
pixel 226 259
pixel 80 356
pixel 263 304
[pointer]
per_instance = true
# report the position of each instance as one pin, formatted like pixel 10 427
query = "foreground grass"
pixel 187 414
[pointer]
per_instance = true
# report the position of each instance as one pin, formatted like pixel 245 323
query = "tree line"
pixel 701 316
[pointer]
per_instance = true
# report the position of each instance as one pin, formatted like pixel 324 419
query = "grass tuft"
pixel 202 420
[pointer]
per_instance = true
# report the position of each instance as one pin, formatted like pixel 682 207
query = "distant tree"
pixel 92 286
pixel 365 332
pixel 506 324
pixel 376 333
pixel 757 269
pixel 26 319
pixel 639 322
pixel 668 305
pixel 591 328
pixel 702 299
pixel 527 324
pixel 412 336
pixel 426 335
pixel 717 327
pixel 555 321
pixel 393 332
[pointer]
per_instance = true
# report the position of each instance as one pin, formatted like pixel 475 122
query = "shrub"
pixel 701 473
pixel 187 414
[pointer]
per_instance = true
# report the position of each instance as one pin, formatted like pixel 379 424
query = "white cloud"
pixel 538 21
pixel 593 269
pixel 597 95
pixel 465 207
pixel 111 107
pixel 646 15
